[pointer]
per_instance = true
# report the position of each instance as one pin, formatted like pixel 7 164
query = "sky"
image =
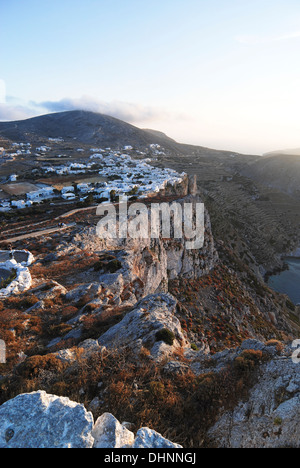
pixel 223 74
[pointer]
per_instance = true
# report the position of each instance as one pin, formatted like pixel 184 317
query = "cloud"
pixel 129 112
pixel 10 112
pixel 257 40
pixel 15 109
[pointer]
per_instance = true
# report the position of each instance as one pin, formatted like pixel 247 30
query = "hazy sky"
pixel 218 73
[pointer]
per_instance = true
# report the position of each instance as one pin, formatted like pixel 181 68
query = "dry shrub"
pixel 69 312
pixel 29 301
pixel 140 391
pixel 277 344
pixel 32 367
pixel 248 360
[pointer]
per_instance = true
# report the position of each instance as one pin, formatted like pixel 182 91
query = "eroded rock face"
pixel 140 327
pixel 153 261
pixel 39 420
pixel 270 418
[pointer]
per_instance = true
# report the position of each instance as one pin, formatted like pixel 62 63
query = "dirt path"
pixel 37 234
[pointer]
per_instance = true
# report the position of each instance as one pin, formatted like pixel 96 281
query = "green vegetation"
pixel 165 335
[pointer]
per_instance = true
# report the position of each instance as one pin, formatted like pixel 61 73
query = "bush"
pixel 165 335
pixel 248 360
pixel 277 344
pixel 156 389
pixel 29 301
pixel 36 364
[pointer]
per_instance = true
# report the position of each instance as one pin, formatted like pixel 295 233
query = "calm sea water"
pixel 288 282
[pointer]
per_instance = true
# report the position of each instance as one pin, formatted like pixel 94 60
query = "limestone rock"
pixel 139 328
pixel 39 420
pixel 90 291
pixel 21 283
pixel 270 417
pixel 147 438
pixel 109 433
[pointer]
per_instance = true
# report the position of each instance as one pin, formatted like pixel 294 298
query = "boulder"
pixel 39 420
pixel 147 438
pixel 109 433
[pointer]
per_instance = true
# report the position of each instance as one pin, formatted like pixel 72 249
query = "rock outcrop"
pixel 147 438
pixel 152 325
pixel 40 420
pixel 131 269
pixel 270 416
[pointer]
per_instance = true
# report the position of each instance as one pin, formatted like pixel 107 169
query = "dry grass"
pixel 181 407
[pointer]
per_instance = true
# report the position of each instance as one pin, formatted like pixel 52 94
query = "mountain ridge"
pixel 97 129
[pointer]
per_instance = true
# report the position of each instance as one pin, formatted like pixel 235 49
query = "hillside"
pixel 84 127
pixel 253 201
pixel 279 171
pixel 94 129
pixel 289 152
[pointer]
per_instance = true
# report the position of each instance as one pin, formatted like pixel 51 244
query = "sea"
pixel 288 282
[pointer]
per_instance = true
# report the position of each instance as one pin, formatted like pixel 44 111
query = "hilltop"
pixel 93 129
pixel 84 127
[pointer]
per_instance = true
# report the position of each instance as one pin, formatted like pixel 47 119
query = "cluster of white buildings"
pixel 21 149
pixel 124 175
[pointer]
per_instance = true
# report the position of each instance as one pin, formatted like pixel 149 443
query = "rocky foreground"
pixel 267 417
pixel 39 420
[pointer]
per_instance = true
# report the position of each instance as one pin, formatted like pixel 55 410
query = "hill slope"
pixel 85 127
pixel 95 129
pixel 281 172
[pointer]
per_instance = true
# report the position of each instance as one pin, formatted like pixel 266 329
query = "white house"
pixel 42 194
pixel 19 204
pixel 67 189
pixel 68 196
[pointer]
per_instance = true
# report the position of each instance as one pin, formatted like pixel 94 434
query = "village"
pixel 89 175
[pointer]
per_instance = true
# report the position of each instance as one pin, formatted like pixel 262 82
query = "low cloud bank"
pixel 130 112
